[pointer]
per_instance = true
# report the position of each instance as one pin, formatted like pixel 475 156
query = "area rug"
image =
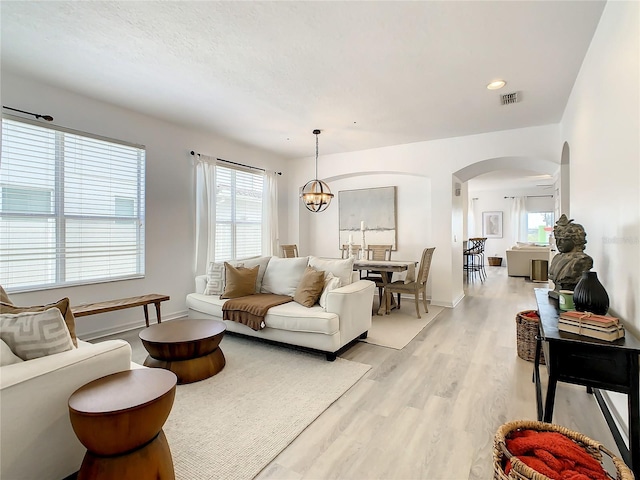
pixel 397 329
pixel 232 425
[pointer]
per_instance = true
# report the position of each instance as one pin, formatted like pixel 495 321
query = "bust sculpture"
pixel 567 266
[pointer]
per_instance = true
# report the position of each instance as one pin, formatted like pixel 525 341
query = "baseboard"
pixel 96 334
pixel 452 304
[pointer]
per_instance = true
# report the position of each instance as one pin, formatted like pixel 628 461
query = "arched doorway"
pixel 515 182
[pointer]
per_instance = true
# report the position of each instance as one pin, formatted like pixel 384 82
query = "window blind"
pixel 238 213
pixel 72 207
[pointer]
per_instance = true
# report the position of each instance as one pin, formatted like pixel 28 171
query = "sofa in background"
pixel 344 316
pixel 519 258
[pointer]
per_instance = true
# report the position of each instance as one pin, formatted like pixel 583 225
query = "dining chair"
pixel 289 251
pixel 418 285
pixel 377 252
pixel 345 250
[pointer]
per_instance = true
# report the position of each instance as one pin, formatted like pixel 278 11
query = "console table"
pixel 594 363
pixel 121 303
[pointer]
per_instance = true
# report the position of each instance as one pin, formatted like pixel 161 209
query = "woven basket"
pixel 526 332
pixel 495 261
pixel 520 471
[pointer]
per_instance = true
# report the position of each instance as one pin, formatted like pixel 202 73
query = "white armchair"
pixel 36 437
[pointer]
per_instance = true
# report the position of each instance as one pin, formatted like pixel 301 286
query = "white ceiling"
pixel 368 74
pixel 513 180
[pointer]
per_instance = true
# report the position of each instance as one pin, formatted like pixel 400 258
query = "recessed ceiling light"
pixel 496 85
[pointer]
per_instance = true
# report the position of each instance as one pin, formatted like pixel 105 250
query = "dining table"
pixel 386 268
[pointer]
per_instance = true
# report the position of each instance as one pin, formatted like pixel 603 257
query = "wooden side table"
pixel 119 419
pixel 189 348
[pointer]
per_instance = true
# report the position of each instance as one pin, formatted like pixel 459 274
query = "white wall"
pixel 601 125
pixel 436 161
pixel 169 197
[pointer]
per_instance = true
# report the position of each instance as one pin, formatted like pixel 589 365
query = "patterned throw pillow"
pixel 62 305
pixel 35 334
pixel 215 279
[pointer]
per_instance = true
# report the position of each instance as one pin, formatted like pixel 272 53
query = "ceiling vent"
pixel 509 98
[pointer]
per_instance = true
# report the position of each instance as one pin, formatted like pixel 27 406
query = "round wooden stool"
pixel 119 419
pixel 189 348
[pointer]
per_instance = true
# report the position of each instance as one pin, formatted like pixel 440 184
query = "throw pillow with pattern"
pixel 62 305
pixel 215 279
pixel 35 334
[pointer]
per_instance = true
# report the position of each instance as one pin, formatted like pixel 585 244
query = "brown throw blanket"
pixel 251 310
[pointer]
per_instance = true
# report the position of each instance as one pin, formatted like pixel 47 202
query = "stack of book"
pixel 588 324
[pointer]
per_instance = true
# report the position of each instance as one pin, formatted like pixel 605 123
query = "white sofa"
pixel 347 316
pixel 36 436
pixel 519 258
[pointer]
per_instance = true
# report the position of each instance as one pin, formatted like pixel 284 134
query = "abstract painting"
pixel 368 211
pixel 492 224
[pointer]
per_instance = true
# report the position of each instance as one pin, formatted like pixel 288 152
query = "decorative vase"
pixel 590 295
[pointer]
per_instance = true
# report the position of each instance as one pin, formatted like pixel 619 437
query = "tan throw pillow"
pixel 4 298
pixel 309 288
pixel 35 334
pixel 62 305
pixel 240 281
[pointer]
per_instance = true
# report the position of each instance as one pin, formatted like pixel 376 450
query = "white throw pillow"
pixel 340 268
pixel 7 357
pixel 35 334
pixel 262 263
pixel 330 283
pixel 283 275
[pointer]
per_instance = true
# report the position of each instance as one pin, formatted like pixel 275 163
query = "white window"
pixel 238 213
pixel 72 207
pixel 539 227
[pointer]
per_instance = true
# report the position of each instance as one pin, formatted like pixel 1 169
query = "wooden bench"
pixel 121 303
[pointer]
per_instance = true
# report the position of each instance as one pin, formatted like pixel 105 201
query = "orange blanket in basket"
pixel 554 455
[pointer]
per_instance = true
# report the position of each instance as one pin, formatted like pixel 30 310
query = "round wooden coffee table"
pixel 119 419
pixel 189 348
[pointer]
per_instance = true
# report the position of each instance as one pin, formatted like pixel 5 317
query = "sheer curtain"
pixel 471 218
pixel 270 240
pixel 518 220
pixel 205 213
pixel 205 234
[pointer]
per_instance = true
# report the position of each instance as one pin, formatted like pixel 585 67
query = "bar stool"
pixel 474 258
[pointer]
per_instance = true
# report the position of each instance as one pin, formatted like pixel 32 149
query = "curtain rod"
pixel 236 163
pixel 533 196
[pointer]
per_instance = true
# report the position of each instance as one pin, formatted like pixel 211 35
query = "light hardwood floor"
pixel 430 410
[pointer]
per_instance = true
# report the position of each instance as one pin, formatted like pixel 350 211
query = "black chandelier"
pixel 316 194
